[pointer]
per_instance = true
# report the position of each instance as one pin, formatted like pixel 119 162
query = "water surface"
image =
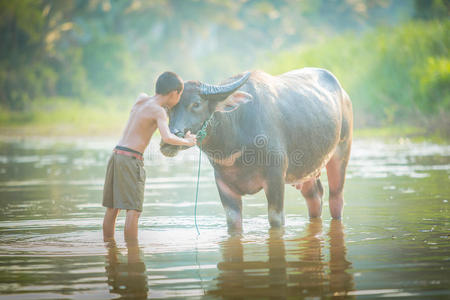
pixel 392 242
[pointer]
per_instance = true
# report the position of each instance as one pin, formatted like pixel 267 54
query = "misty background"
pixel 81 63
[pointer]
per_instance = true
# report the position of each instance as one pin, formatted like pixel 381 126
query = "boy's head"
pixel 170 85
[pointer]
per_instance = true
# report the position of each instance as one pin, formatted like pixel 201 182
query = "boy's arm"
pixel 170 138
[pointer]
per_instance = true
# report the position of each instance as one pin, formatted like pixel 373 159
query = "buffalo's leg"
pixel 312 190
pixel 274 189
pixel 336 168
pixel 232 204
pixel 337 165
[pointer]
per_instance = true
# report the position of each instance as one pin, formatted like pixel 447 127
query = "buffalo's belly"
pixel 242 180
pixel 298 175
pixel 311 157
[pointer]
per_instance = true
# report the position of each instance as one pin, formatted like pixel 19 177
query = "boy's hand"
pixel 191 138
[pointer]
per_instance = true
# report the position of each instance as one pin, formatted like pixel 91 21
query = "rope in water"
pixel 201 134
pixel 196 192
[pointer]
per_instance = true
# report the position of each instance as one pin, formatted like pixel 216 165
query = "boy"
pixel 125 174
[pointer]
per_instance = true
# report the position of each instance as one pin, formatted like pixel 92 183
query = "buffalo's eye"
pixel 195 105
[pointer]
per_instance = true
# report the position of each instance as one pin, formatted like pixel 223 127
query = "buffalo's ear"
pixel 233 101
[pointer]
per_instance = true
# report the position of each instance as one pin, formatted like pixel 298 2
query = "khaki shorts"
pixel 124 183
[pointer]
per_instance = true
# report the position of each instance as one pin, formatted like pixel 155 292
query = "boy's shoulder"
pixel 142 97
pixel 151 108
pixel 155 111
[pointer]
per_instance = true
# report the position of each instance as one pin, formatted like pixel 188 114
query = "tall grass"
pixel 394 76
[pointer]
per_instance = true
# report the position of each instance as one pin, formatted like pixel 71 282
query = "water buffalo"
pixel 266 131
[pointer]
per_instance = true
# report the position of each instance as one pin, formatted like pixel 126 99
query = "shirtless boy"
pixel 125 174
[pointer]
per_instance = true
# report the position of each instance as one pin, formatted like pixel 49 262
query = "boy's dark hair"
pixel 168 82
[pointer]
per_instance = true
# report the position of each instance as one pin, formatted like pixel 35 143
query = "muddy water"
pixel 393 241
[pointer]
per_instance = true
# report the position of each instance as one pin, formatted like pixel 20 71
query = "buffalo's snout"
pixel 172 150
pixel 169 150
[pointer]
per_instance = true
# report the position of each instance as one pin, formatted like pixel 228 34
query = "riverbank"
pixel 109 129
pixel 62 118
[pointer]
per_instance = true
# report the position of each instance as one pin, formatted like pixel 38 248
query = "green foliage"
pixel 432 9
pixel 80 48
pixel 391 74
pixel 101 58
pixel 83 51
pixel 434 84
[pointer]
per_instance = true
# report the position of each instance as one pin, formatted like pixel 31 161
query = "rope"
pixel 201 134
pixel 196 192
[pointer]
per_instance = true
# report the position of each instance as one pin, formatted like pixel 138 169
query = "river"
pixel 392 242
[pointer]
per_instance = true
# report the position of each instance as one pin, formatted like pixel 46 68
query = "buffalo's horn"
pixel 223 90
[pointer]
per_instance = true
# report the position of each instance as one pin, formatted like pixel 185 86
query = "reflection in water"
pixel 128 277
pixel 295 267
pixel 340 281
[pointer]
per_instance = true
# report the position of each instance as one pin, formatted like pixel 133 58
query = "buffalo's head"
pixel 197 103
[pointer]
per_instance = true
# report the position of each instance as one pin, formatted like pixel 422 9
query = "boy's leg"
pixel 109 223
pixel 131 225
